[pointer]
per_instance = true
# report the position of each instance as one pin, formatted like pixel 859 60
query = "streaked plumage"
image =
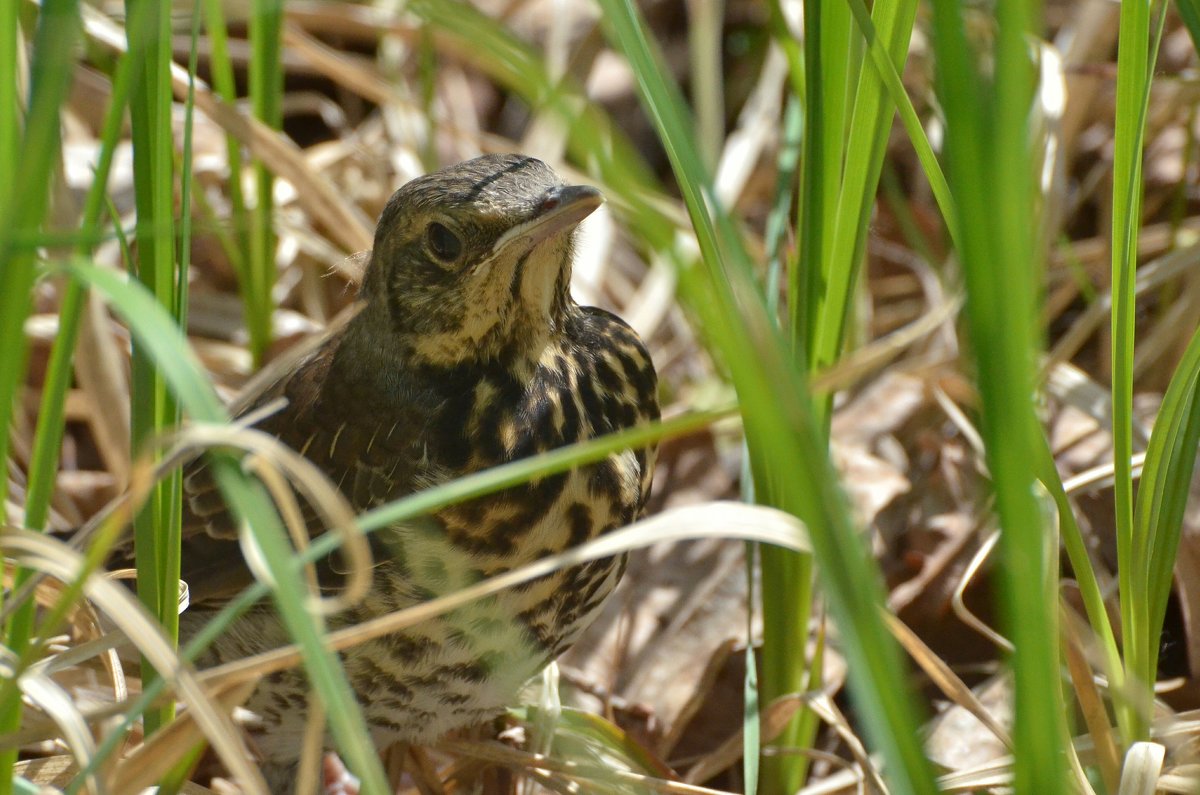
pixel 468 352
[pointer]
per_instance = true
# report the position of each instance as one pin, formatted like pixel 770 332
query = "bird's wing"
pixel 368 453
pixel 205 512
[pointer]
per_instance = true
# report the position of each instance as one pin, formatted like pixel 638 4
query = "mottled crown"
pixel 500 188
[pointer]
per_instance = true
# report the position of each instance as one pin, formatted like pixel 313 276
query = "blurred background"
pixel 303 117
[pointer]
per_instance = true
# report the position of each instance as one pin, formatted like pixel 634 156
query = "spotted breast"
pixel 468 352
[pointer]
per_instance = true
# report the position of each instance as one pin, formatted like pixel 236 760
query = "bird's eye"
pixel 443 244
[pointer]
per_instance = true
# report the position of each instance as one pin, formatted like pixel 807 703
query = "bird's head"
pixel 474 261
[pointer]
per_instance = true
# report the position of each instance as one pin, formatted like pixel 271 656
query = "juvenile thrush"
pixel 468 352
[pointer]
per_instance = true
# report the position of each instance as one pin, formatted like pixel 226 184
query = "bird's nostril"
pixel 551 201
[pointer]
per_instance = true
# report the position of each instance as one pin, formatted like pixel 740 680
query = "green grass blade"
pixel 50 426
pixel 10 116
pixel 24 198
pixel 805 286
pixel 153 411
pixel 800 595
pixel 226 88
pixel 991 175
pixel 826 79
pixel 1132 75
pixel 787 587
pixel 186 185
pixel 829 72
pixel 1085 577
pixel 1164 491
pixel 869 123
pixel 1135 55
pixel 58 25
pixel 887 70
pixel 266 97
pixel 23 204
pixel 848 115
pixel 174 780
pixel 778 419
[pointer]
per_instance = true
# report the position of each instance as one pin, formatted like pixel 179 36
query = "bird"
pixel 468 352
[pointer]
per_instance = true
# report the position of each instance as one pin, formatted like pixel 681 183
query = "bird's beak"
pixel 561 209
